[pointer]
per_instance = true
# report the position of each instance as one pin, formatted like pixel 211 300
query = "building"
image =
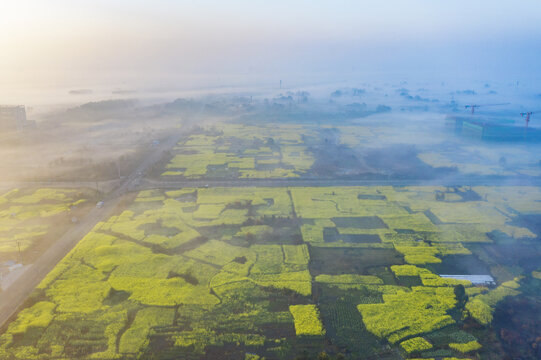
pixel 485 280
pixel 12 118
pixel 491 130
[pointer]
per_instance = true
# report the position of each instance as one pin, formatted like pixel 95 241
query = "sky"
pixel 161 42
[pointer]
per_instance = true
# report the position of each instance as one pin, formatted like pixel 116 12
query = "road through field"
pixel 320 182
pixel 14 295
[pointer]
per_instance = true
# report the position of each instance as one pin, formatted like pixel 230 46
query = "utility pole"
pixel 97 190
pixel 20 255
pixel 118 168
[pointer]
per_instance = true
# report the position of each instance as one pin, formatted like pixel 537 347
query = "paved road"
pixel 14 295
pixel 60 184
pixel 140 183
pixel 455 181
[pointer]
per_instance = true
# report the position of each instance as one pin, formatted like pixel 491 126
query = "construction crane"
pixel 526 116
pixel 473 106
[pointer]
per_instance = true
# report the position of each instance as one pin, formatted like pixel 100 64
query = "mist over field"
pixel 270 180
pixel 174 46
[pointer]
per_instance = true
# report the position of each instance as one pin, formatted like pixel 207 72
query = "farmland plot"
pixel 29 217
pixel 236 273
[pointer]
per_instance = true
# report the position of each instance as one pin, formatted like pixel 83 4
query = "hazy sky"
pixel 84 42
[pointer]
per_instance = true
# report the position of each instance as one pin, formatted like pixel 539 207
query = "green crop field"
pixel 243 151
pixel 251 150
pixel 248 273
pixel 26 216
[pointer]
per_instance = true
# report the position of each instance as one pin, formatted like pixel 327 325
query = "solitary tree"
pixel 461 297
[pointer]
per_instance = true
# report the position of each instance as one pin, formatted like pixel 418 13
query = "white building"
pixel 12 117
pixel 474 279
